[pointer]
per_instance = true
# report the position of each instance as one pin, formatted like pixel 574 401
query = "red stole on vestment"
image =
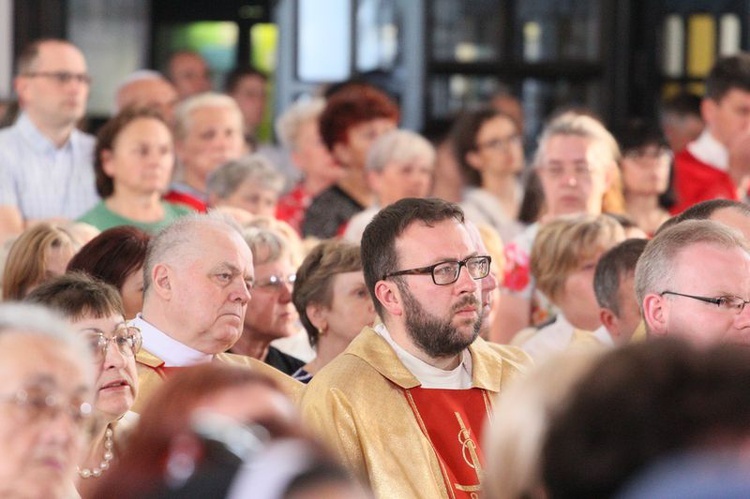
pixel 453 420
pixel 164 371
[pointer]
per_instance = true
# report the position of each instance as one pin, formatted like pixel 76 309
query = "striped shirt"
pixel 44 181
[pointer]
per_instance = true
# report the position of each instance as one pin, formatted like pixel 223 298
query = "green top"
pixel 103 218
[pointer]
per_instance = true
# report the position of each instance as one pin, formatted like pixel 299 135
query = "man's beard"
pixel 433 335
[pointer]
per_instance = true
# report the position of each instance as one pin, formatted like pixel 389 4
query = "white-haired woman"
pixel 399 165
pixel 297 129
pixel 208 133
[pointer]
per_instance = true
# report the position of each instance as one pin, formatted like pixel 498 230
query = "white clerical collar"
pixel 710 151
pixel 431 376
pixel 171 351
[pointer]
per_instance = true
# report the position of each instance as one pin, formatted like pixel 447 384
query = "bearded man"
pixel 405 404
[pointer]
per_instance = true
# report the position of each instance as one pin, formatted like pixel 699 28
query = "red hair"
pixel 354 104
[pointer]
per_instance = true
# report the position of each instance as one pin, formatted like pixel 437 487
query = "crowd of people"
pixel 364 310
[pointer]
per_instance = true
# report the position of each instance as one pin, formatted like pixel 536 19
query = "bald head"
pixel 147 89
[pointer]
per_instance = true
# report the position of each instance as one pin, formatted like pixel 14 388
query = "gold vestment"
pixel 356 404
pixel 150 377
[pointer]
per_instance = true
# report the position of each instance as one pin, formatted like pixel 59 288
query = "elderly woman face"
pixel 214 136
pixel 42 423
pixel 114 346
pixel 270 313
pixel 403 179
pixel 351 307
pixel 253 197
pixel 141 158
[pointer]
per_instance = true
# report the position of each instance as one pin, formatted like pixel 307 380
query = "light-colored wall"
pixel 6 47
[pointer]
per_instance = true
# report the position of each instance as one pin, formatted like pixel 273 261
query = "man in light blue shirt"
pixel 46 164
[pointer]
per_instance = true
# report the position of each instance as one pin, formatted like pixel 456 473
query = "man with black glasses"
pixel 404 405
pixel 693 281
pixel 46 164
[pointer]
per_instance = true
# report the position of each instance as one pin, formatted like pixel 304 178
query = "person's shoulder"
pixel 287 384
pixel 510 354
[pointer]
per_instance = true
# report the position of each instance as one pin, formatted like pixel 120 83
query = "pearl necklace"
pixel 106 458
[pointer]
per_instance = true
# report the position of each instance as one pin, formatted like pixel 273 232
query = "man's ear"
pixel 609 321
pixel 656 314
pixel 389 297
pixel 161 277
pixel 20 84
pixel 709 107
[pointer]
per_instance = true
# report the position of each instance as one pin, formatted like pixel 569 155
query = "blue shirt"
pixel 42 180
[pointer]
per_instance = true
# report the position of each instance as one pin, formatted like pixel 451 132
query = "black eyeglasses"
pixel 447 272
pixel 127 339
pixel 61 77
pixel 729 302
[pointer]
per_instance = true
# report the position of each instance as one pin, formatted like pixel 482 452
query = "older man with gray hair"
pixel 46 397
pixel 197 280
pixel 693 281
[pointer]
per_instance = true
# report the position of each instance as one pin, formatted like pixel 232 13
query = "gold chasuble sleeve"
pixel 359 405
pixel 152 372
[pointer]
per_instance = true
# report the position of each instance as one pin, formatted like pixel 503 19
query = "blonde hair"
pixel 26 265
pixel 562 244
pixel 495 248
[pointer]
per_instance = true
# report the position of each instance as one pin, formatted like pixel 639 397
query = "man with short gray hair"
pixel 197 280
pixel 693 281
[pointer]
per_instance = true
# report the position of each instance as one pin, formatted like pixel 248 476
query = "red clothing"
pixel 453 420
pixel 292 206
pixel 696 181
pixel 186 199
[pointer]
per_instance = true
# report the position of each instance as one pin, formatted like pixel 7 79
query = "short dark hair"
pixel 705 209
pixel 611 268
pixel 237 74
pixel 682 104
pixel 464 134
pixel 378 248
pixel 106 138
pixel 637 133
pixel 352 105
pixel 30 53
pixel 112 255
pixel 729 73
pixel 642 402
pixel 76 295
